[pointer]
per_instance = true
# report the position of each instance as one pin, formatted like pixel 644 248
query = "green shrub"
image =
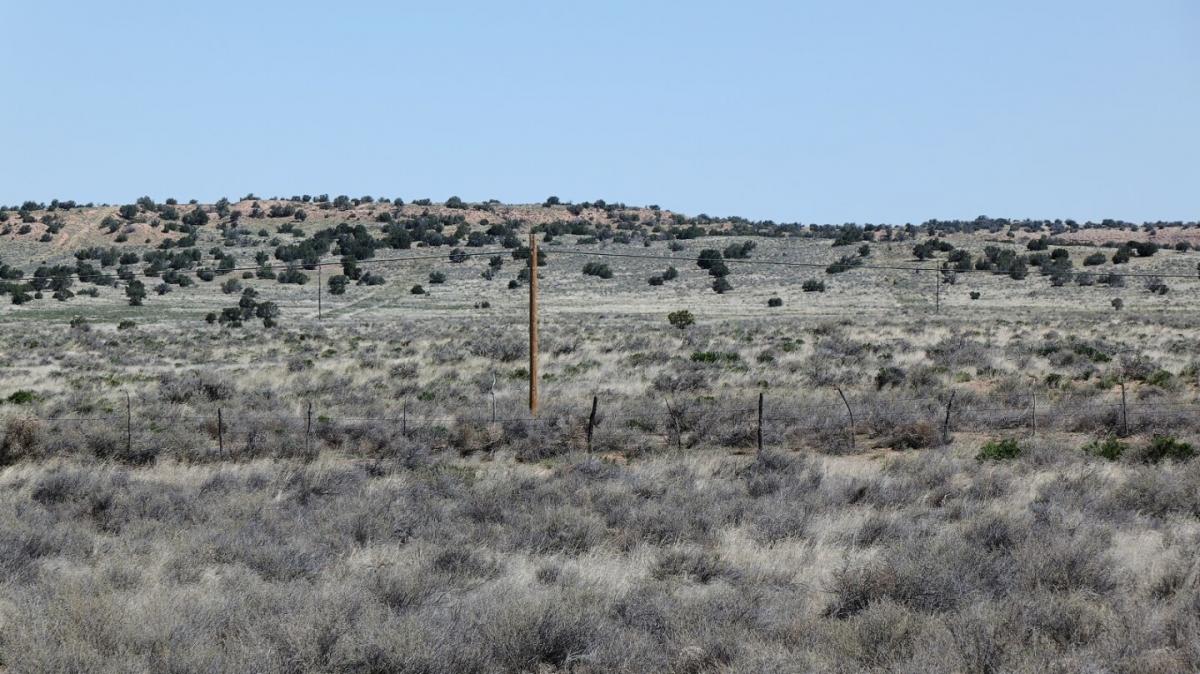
pixel 681 319
pixel 293 275
pixel 889 376
pixel 1160 378
pixel 21 397
pixel 1092 353
pixel 135 290
pixel 975 294
pixel 196 218
pixel 708 258
pixel 999 450
pixel 1018 269
pixel 813 286
pixel 845 263
pixel 417 290
pixel 1156 285
pixel 775 302
pixel 718 269
pixel 437 277
pixel 739 251
pixel 597 269
pixel 370 279
pixel 1109 448
pixel 1166 447
pixel 715 357
pixel 721 285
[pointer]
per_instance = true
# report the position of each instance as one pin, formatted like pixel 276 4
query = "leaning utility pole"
pixel 533 325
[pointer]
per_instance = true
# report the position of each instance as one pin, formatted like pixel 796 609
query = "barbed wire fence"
pixel 668 423
pixel 680 425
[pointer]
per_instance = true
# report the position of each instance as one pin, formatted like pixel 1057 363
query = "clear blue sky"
pixel 793 111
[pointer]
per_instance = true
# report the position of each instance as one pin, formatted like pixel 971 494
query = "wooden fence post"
pixel 493 392
pixel 1124 413
pixel 849 412
pixel 404 419
pixel 760 417
pixel 308 429
pixel 675 425
pixel 1033 413
pixel 592 422
pixel 220 431
pixel 128 426
pixel 946 421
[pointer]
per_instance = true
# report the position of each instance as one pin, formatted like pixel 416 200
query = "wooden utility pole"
pixel 533 325
pixel 319 317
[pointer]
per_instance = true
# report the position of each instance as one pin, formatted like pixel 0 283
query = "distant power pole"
pixel 533 325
